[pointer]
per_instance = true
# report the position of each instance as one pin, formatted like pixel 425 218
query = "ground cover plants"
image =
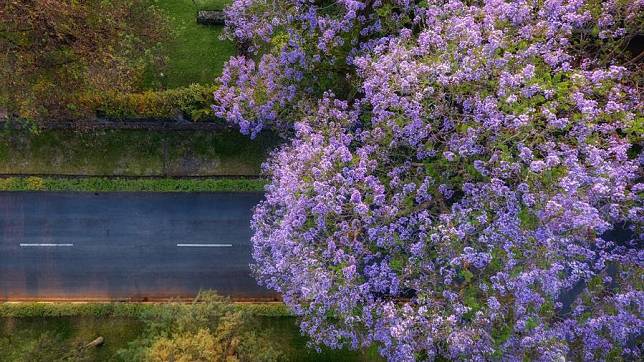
pixel 462 180
pixel 132 152
pixel 116 184
pixel 135 332
pixel 53 52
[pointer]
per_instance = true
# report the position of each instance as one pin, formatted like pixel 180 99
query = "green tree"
pixel 210 329
pixel 55 52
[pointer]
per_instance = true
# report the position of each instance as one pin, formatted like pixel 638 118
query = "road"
pixel 135 246
pixel 129 246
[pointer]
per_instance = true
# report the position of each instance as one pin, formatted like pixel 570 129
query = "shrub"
pixel 34 183
pixel 209 329
pixel 191 102
pixel 53 51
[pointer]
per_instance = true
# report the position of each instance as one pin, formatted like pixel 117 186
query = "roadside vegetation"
pixel 104 184
pixel 133 153
pixel 56 52
pixel 75 60
pixel 208 329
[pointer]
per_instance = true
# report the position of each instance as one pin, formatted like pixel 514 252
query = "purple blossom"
pixel 469 168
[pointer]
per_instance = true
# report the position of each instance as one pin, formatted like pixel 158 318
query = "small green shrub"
pixel 191 102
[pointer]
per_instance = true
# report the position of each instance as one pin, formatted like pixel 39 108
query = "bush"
pixel 191 102
pixel 209 329
pixel 53 51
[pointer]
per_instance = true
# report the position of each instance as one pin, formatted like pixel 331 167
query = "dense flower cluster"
pixel 472 195
pixel 306 49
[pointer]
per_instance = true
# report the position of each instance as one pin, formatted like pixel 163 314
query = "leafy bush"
pixel 54 51
pixel 209 329
pixel 459 183
pixel 191 102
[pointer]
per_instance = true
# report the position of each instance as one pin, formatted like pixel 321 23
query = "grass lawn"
pixel 196 54
pixel 32 339
pixel 133 153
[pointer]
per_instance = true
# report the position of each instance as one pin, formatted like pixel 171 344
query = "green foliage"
pixel 528 219
pixel 57 50
pixel 102 184
pixel 466 275
pixel 500 334
pixel 199 346
pixel 133 153
pixel 397 263
pixel 531 324
pixel 118 310
pixel 74 324
pixel 192 102
pixel 209 329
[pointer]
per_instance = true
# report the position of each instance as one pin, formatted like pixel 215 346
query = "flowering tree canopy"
pixel 457 176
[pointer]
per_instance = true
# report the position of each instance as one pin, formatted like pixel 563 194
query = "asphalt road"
pixel 136 246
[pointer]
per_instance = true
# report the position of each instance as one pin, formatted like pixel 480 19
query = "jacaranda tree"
pixel 462 178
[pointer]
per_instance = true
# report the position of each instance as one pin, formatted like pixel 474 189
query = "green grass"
pixel 133 153
pixel 195 54
pixel 211 4
pixel 19 337
pixel 116 310
pixel 68 325
pixel 285 333
pixel 103 184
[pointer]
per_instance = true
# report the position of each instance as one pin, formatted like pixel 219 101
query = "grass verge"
pixel 104 184
pixel 116 310
pixel 60 327
pixel 133 153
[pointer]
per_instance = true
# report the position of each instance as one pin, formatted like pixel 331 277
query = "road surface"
pixel 130 246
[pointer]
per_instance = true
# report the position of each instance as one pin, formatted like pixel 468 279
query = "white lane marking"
pixel 204 245
pixel 24 245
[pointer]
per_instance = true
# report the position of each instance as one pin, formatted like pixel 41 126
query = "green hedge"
pixel 103 184
pixel 131 310
pixel 192 102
